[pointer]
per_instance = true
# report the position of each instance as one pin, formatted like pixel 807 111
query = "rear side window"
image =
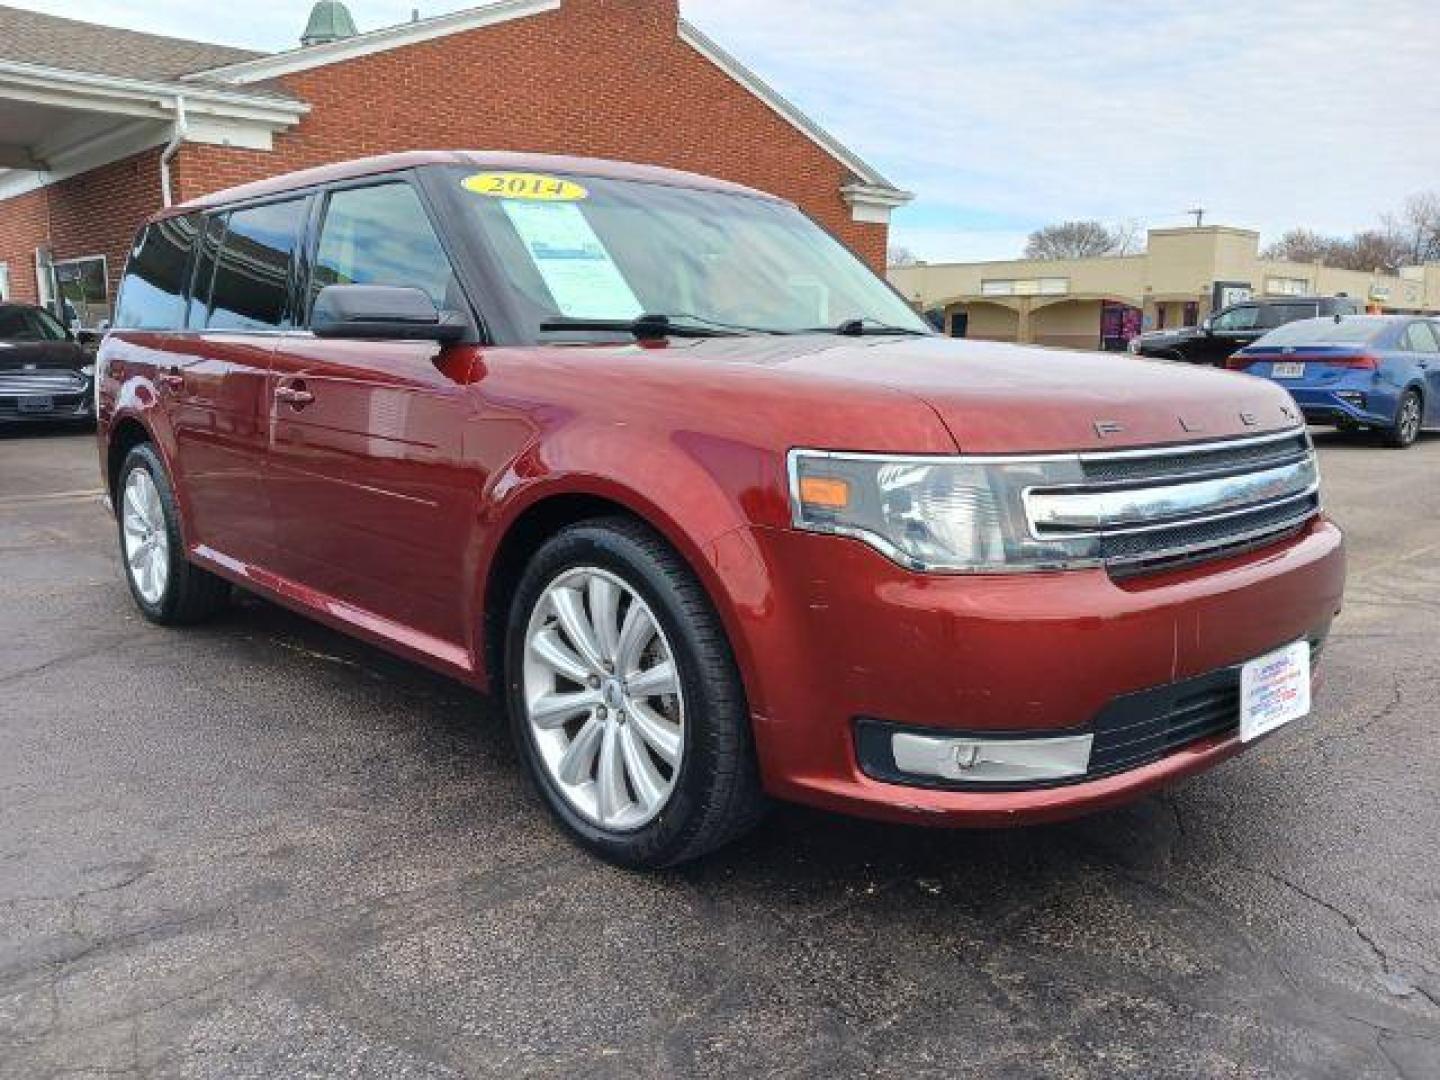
pixel 151 293
pixel 1420 337
pixel 1275 315
pixel 252 273
pixel 381 235
pixel 208 250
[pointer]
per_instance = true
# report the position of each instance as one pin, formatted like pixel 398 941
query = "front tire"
pixel 167 588
pixel 625 701
pixel 1409 418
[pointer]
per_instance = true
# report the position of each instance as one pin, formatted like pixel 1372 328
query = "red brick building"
pixel 99 126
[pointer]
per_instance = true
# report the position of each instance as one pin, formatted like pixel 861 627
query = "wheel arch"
pixel 548 510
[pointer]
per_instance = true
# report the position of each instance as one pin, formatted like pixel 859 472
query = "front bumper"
pixel 76 405
pixel 1367 406
pixel 1024 655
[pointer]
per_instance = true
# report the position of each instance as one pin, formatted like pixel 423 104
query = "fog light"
pixel 1353 398
pixel 992 761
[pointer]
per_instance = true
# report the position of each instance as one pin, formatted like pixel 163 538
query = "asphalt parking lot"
pixel 259 849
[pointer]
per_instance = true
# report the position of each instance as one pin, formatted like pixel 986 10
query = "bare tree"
pixel 1129 237
pixel 1375 249
pixel 1417 227
pixel 1303 246
pixel 1071 240
pixel 901 256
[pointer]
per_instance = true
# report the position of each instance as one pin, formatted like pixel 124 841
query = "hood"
pixel 17 355
pixel 1009 399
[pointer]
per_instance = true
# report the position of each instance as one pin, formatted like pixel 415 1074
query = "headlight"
pixel 945 514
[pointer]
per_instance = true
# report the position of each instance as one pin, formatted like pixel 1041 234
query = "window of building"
pixel 83 289
pixel 152 291
pixel 252 273
pixel 1287 286
pixel 381 235
pixel 1049 286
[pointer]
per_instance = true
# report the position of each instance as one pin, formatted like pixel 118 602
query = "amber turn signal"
pixel 825 492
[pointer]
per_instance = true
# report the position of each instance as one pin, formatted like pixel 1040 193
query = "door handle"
pixel 294 394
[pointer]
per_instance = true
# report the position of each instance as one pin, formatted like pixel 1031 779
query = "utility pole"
pixel 1199 213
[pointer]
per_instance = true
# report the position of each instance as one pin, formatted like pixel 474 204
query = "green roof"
pixel 329 21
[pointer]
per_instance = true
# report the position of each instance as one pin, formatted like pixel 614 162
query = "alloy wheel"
pixel 147 542
pixel 603 700
pixel 1410 418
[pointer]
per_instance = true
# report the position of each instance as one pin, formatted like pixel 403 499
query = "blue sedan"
pixel 1365 371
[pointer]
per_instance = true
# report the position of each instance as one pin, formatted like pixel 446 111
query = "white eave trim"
pixel 376 41
pixel 868 177
pixel 140 98
pixel 873 204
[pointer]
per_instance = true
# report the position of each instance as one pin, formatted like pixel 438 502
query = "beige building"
pixel 1182 277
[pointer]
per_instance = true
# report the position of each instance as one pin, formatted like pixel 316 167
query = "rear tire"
pixel 683 779
pixel 167 588
pixel 1409 418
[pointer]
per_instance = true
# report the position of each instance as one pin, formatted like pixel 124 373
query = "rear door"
pixel 373 501
pixel 215 375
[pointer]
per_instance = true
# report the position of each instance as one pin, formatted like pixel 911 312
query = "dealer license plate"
pixel 1288 371
pixel 35 404
pixel 1274 690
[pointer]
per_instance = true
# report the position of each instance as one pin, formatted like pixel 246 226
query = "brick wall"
pixel 603 78
pixel 97 213
pixel 24 226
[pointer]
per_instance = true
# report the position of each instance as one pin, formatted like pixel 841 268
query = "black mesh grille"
pixel 1183 539
pixel 1252 458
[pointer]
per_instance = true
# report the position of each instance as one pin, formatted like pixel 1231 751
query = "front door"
pixel 374 504
pixel 1422 341
pixel 1230 331
pixel 215 375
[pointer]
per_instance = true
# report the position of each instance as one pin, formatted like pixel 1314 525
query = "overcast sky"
pixel 1004 115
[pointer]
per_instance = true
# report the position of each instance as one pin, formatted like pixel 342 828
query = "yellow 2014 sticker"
pixel 526 187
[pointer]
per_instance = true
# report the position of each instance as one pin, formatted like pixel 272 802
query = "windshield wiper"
pixel 654 326
pixel 860 327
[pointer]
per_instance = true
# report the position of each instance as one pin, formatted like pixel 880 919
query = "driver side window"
pixel 1240 318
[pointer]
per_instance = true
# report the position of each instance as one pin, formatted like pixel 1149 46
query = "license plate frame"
pixel 35 404
pixel 1288 369
pixel 1274 691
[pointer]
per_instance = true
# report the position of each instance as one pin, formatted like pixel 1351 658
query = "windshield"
pixel 1325 332
pixel 28 324
pixel 585 248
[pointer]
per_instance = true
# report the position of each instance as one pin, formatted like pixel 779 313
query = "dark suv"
pixel 1230 330
pixel 45 370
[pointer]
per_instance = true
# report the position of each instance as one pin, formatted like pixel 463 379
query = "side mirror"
pixel 383 313
pixel 1207 325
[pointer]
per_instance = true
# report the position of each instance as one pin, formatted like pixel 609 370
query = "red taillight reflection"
pixel 1355 361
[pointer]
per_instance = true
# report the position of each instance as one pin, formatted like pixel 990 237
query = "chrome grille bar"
pixel 21 384
pixel 1163 506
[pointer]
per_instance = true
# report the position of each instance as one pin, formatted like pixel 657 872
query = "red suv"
pixel 663 463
